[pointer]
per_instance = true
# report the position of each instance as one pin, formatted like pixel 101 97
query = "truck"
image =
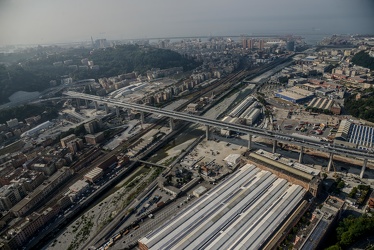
pixel 160 204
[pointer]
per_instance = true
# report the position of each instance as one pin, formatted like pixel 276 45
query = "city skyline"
pixel 42 22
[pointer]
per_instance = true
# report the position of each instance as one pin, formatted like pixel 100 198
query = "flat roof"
pixel 243 211
pixel 292 95
pixel 288 162
pixel 282 166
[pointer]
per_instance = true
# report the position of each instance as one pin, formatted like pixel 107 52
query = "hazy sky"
pixel 53 21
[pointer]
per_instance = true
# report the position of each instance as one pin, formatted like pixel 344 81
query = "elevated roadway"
pixel 251 131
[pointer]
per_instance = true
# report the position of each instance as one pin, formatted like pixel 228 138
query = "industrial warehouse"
pixel 247 112
pixel 355 135
pixel 325 104
pixel 245 211
pixel 295 95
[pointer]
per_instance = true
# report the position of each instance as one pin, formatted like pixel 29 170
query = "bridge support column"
pixel 207 132
pixel 106 108
pixel 275 146
pixel 117 111
pixel 301 155
pixel 142 117
pixel 171 124
pixel 78 102
pixel 87 103
pixel 249 141
pixel 363 168
pixel 96 105
pixel 331 158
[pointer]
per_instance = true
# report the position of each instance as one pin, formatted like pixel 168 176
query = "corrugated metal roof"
pixel 251 200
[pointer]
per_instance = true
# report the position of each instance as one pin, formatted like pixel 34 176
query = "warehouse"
pixel 227 132
pixel 355 135
pixel 325 104
pixel 94 175
pixel 37 129
pixel 242 107
pixel 244 211
pixel 295 95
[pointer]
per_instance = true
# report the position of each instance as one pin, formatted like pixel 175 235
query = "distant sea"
pixel 311 39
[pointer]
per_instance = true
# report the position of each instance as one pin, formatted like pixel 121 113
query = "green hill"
pixel 34 73
pixel 363 59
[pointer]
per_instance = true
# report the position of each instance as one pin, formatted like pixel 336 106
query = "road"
pixel 272 135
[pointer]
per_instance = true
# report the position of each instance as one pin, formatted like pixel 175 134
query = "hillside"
pixel 363 59
pixel 362 108
pixel 34 73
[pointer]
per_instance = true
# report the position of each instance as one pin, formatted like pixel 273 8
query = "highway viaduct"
pixel 250 131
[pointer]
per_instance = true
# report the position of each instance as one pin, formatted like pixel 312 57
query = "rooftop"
pixel 242 212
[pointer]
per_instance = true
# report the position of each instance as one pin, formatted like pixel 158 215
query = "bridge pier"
pixel 274 146
pixel 128 114
pixel 87 103
pixel 301 155
pixel 363 168
pixel 207 132
pixel 78 102
pixel 96 105
pixel 117 111
pixel 106 108
pixel 331 158
pixel 249 141
pixel 171 124
pixel 142 118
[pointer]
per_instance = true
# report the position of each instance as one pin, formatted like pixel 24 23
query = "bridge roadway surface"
pixel 276 136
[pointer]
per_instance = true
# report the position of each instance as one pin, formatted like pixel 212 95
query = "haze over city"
pixel 164 124
pixel 43 21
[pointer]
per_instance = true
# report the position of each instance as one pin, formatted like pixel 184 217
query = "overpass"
pixel 250 131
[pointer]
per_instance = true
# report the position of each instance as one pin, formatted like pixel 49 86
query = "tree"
pixel 341 184
pixel 363 59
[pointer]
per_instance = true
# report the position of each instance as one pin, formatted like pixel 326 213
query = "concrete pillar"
pixel 87 103
pixel 78 102
pixel 249 141
pixel 301 155
pixel 363 168
pixel 106 108
pixel 275 146
pixel 207 132
pixel 117 111
pixel 171 124
pixel 96 105
pixel 331 158
pixel 142 117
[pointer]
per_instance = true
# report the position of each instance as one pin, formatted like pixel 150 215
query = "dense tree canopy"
pixel 363 59
pixel 22 112
pixel 352 230
pixel 362 108
pixel 35 72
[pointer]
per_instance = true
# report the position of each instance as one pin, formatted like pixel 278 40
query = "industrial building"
pixel 324 103
pixel 323 220
pixel 238 110
pixel 295 95
pixel 245 113
pixel 289 162
pixel 354 135
pixel 291 171
pixel 37 129
pixel 79 187
pixel 227 132
pixel 94 175
pixel 244 211
pixel 250 115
